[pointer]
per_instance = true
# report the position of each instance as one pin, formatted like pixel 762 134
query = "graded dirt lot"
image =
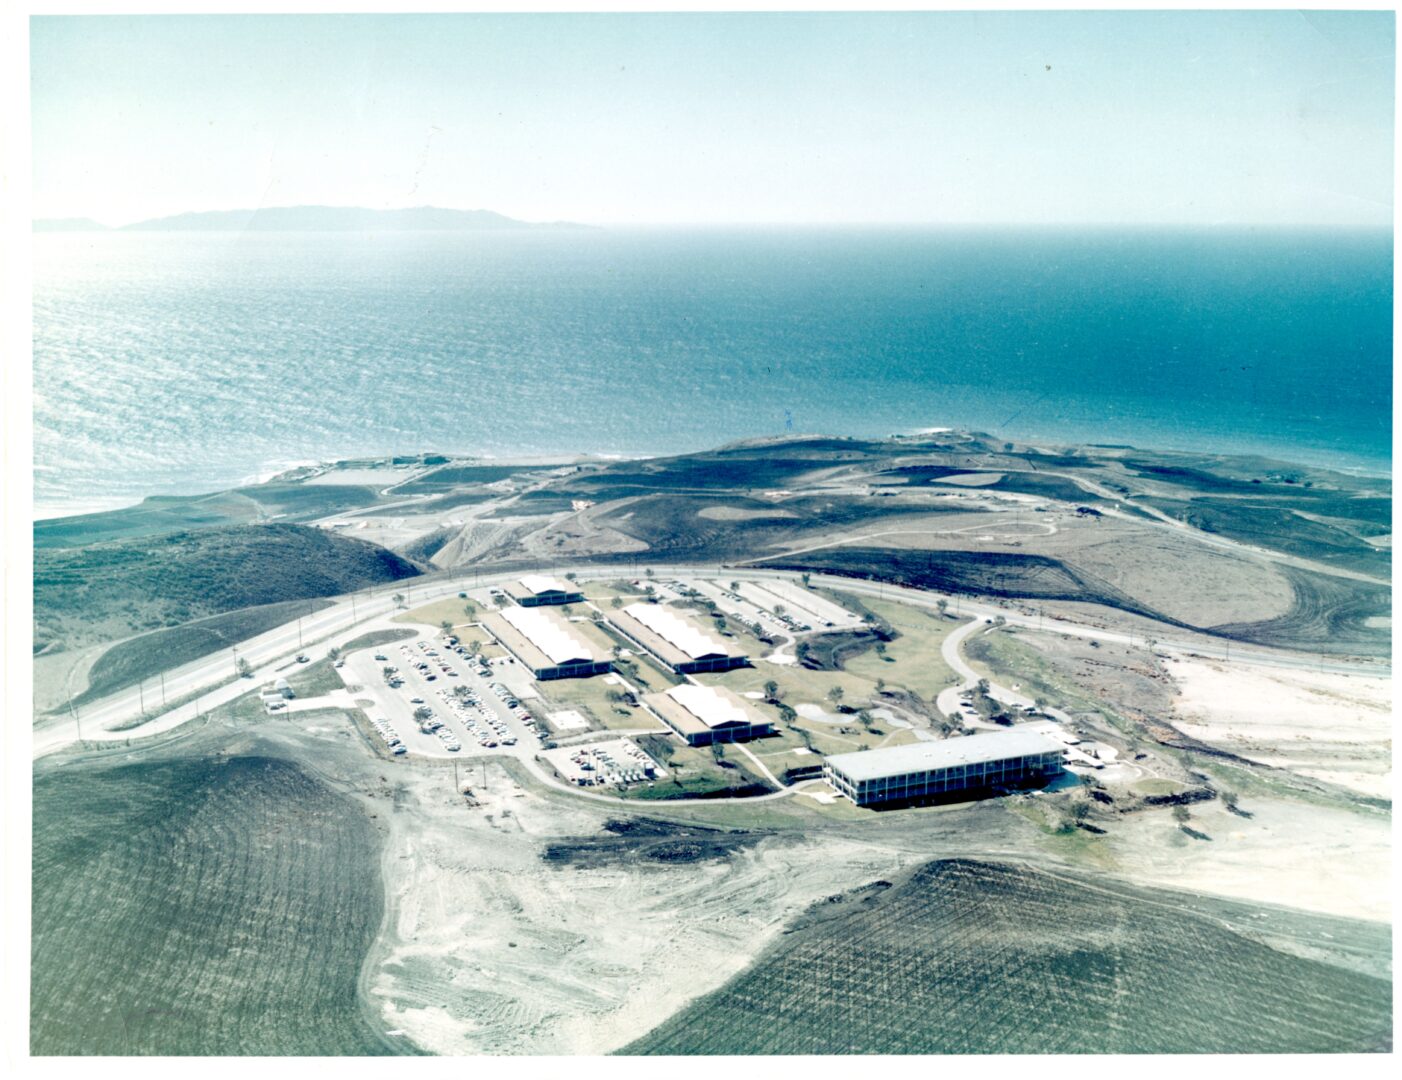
pixel 1334 727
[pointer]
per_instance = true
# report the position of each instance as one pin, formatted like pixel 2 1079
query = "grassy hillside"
pixel 965 957
pixel 102 592
pixel 201 905
pixel 165 514
pixel 129 662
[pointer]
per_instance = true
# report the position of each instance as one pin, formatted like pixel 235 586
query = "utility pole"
pixel 141 695
pixel 163 690
pixel 353 617
pixel 236 661
pixel 299 633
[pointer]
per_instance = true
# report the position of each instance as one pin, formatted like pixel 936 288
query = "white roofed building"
pixel 990 760
pixel 535 590
pixel 703 715
pixel 546 643
pixel 678 641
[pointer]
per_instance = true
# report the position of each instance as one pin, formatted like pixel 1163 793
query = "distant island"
pixel 312 219
pixel 69 224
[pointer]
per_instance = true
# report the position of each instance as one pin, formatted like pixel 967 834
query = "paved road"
pixel 349 617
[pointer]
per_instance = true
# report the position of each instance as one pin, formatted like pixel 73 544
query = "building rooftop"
pixel 550 634
pixel 535 584
pixel 696 710
pixel 712 705
pixel 923 756
pixel 678 631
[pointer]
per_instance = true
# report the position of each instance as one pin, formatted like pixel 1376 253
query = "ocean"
pixel 177 363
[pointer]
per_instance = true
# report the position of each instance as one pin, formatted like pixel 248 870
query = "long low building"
pixel 538 590
pixel 709 714
pixel 964 763
pixel 546 643
pixel 678 641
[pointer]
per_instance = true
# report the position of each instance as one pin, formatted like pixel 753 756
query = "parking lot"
pixel 614 761
pixel 470 709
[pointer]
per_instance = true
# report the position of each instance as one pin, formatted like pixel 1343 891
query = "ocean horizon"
pixel 181 363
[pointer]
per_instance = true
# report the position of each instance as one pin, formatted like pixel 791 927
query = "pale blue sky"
pixel 1173 117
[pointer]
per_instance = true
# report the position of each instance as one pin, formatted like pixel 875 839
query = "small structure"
pixel 274 695
pixel 568 720
pixel 545 643
pixel 676 640
pixel 703 715
pixel 966 763
pixel 536 590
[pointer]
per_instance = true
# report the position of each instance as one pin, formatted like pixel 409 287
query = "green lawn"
pixel 315 679
pixel 449 609
pixel 913 660
pixel 590 696
pixel 694 771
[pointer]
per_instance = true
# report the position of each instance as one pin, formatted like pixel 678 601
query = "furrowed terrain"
pixel 966 957
pixel 203 904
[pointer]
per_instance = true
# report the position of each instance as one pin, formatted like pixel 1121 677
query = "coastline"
pixel 50 509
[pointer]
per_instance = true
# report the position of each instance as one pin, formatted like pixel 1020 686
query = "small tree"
pixel 570 576
pixel 734 586
pixel 779 610
pixel 422 713
pixel 982 687
pixel 1229 799
pixel 805 578
pixel 835 695
pixel 881 649
pixel 864 718
pixel 649 572
pixel 333 653
pixel 771 691
pixel 1181 814
pixel 616 602
pixel 244 668
pixel 943 606
pixel 787 714
pixel 447 627
pixel 398 599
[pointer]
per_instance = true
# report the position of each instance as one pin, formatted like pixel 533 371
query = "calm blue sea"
pixel 178 363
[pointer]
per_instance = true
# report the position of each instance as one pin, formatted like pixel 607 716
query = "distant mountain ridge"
pixel 313 219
